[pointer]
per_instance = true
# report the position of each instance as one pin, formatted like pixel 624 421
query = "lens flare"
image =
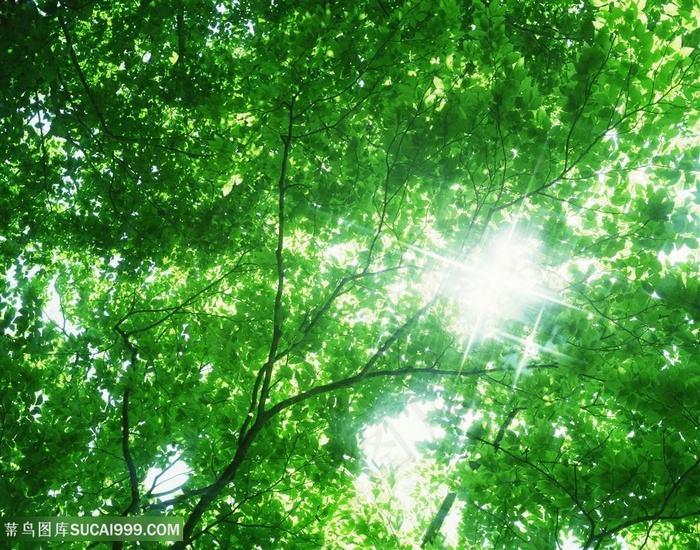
pixel 495 283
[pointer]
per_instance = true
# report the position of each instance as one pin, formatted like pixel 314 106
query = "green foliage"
pixel 236 234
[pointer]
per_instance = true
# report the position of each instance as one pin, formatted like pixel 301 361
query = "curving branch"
pixel 95 104
pixel 257 417
pixel 343 286
pixel 128 459
pixel 660 515
pixel 81 76
pixel 174 310
pixel 256 427
pixel 261 388
pixel 133 506
pixel 279 256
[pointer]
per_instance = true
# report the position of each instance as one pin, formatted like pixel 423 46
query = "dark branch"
pixel 438 520
pixel 133 506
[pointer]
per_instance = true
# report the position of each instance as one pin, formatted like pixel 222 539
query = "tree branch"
pixel 277 320
pixel 133 506
pixel 174 310
pixel 261 388
pixel 246 440
pixel 438 520
pixel 658 516
pixel 340 289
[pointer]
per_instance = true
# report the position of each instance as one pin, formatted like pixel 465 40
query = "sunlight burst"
pixel 494 283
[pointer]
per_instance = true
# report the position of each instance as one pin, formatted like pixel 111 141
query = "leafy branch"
pixel 261 388
pixel 173 310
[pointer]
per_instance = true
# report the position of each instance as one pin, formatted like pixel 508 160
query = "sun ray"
pixel 530 341
pixel 470 345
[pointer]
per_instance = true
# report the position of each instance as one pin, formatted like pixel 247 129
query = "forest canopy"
pixel 236 234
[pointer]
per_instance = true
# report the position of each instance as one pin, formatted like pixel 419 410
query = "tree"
pixel 235 234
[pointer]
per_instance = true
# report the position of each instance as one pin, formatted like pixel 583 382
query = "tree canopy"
pixel 235 234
